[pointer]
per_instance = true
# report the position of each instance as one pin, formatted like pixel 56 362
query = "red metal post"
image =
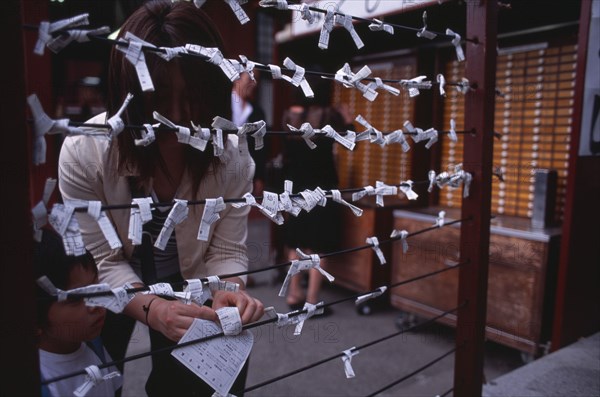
pixel 475 233
pixel 577 295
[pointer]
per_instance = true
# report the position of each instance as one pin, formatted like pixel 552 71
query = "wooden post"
pixel 475 233
pixel 20 372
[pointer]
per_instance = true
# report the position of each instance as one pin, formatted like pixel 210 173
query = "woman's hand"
pixel 173 318
pixel 251 309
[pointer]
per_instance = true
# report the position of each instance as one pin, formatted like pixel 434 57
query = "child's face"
pixel 72 322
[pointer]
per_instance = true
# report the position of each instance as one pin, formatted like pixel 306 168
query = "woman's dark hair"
pixel 208 90
pixel 51 260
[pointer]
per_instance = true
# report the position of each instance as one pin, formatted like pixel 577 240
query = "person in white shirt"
pixel 245 110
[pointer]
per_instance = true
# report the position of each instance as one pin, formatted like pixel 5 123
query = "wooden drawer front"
pixel 515 289
pixel 513 302
pixel 427 253
pixel 512 251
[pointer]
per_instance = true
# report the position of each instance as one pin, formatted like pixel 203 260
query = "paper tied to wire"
pixel 304 10
pixel 116 123
pixel 94 211
pixel 424 32
pixel 78 35
pixel 93 378
pixel 278 4
pixel 442 83
pixel 139 214
pixel 353 80
pixel 39 213
pixel 244 65
pixel 346 21
pixel 197 293
pixel 463 86
pixel 379 84
pixel 406 188
pixel 62 220
pixel 347 360
pixel 305 262
pixel 169 53
pixel 284 319
pixel 460 55
pixel 166 290
pixel 309 199
pixel 397 137
pixel 311 310
pixel 371 295
pixel 115 302
pixel 257 129
pixel 148 136
pixel 299 78
pixel 215 56
pixel 46 284
pixel 418 135
pixel 46 29
pixel 375 246
pixel 459 177
pixel 178 214
pixel 230 320
pixel 371 133
pixel 379 26
pixel 236 7
pixel 403 234
pixel 134 53
pixel 347 142
pixel 210 215
pixel 452 132
pixel 336 196
pixel 42 125
pixel 415 84
pixel 307 131
pixel 380 190
pixel 270 203
pixel 285 202
pixel 326 29
pixel 218 139
pixel 250 200
pixel 216 284
pixel 198 141
pixel 440 220
pixel 452 180
pixel 442 179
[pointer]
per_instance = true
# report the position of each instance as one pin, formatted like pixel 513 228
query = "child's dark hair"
pixel 51 260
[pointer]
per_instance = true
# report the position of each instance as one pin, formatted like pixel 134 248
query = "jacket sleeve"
pixel 227 251
pixel 80 174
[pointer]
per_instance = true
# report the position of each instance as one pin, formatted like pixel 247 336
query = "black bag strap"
pixel 146 250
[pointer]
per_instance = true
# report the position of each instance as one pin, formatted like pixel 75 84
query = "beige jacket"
pixel 88 171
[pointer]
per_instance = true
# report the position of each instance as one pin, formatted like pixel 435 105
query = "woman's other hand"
pixel 173 318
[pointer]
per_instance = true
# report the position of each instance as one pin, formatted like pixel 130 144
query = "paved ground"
pixel 277 351
pixel 573 371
